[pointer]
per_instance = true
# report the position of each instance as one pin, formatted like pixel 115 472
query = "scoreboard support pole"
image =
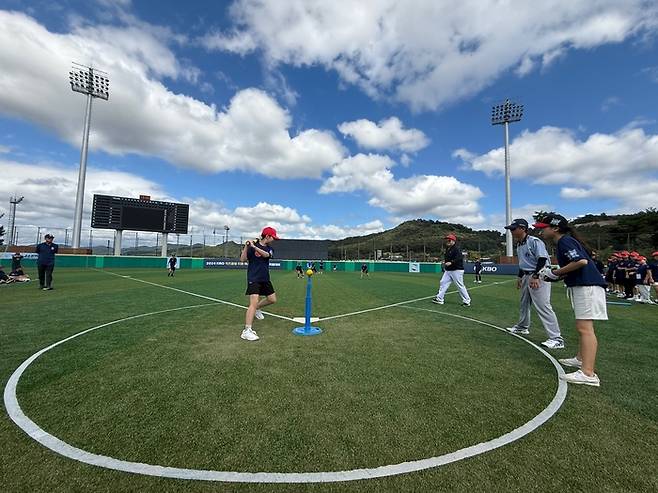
pixel 117 242
pixel 164 244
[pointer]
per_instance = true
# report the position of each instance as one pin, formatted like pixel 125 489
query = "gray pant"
pixel 541 299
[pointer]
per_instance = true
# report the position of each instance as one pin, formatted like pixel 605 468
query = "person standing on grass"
pixel 46 262
pixel 453 271
pixel 258 254
pixel 172 266
pixel 585 288
pixel 643 281
pixel 364 270
pixel 478 271
pixel 533 256
pixel 653 272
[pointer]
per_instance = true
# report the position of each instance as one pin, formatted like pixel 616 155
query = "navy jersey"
pixel 478 266
pixel 454 256
pixel 46 253
pixel 172 262
pixel 258 269
pixel 16 261
pixel 570 250
pixel 641 273
pixel 364 267
pixel 653 267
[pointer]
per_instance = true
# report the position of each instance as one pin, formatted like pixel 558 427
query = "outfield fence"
pixel 147 262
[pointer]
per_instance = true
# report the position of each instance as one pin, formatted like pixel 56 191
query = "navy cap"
pixel 551 220
pixel 518 223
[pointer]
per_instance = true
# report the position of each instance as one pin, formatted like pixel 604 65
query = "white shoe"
pixel 259 315
pixel 553 344
pixel 249 335
pixel 437 301
pixel 575 362
pixel 517 330
pixel 579 377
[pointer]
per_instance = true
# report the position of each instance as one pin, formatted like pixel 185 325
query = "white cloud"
pixel 49 202
pixel 609 103
pixel 443 197
pixel 427 54
pixel 622 166
pixel 142 115
pixel 388 134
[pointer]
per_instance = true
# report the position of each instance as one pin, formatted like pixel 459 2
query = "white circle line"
pixel 56 445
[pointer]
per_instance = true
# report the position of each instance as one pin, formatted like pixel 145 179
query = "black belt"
pixel 528 272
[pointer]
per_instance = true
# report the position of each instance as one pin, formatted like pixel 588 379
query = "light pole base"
pixel 307 331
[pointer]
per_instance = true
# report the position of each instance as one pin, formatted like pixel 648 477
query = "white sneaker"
pixel 575 362
pixel 518 330
pixel 437 301
pixel 259 315
pixel 553 344
pixel 579 377
pixel 249 335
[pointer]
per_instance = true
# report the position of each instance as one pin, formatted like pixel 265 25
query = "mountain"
pixel 418 239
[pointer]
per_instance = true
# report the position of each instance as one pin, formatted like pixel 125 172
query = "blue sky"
pixel 332 119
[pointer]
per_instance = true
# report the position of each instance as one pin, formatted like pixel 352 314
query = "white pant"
pixel 450 276
pixel 645 291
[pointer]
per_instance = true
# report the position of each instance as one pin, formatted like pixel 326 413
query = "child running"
pixel 586 289
pixel 258 253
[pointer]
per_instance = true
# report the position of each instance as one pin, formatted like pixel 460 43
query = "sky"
pixel 331 119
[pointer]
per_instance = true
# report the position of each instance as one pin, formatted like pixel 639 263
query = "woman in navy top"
pixel 258 253
pixel 586 289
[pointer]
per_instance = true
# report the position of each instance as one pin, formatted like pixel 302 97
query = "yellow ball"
pixel 309 272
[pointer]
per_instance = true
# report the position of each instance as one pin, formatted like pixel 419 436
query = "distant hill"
pixel 422 239
pixel 418 239
pixel 620 232
pixel 196 250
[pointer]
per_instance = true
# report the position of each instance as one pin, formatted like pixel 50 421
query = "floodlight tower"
pixel 85 80
pixel 504 114
pixel 13 202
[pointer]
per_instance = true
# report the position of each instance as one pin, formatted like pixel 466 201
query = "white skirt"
pixel 588 302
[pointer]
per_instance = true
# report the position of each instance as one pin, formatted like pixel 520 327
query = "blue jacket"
pixel 46 253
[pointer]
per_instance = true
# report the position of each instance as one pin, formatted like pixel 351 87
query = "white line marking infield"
pixel 56 445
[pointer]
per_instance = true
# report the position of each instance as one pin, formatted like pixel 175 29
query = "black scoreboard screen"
pixel 110 212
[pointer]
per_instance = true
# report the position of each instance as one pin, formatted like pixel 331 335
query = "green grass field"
pixel 182 389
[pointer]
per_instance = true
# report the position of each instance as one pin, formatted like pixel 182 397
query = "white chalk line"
pixel 56 445
pixel 393 305
pixel 203 296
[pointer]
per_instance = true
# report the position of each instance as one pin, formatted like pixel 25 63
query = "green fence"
pixel 134 262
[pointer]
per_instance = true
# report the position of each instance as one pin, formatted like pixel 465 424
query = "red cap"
pixel 269 231
pixel 450 237
pixel 654 254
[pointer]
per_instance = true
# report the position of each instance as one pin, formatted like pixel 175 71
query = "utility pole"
pixel 226 230
pixel 13 202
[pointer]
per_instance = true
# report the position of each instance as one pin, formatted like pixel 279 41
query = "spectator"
pixel 4 278
pixel 46 262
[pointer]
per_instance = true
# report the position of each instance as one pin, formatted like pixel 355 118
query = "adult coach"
pixel 453 271
pixel 533 256
pixel 46 262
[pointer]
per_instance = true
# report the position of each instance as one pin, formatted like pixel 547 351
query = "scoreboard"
pixel 110 212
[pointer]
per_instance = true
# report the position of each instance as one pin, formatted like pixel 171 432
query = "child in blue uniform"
pixel 258 253
pixel 586 289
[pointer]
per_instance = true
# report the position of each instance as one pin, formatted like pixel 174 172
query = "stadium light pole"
pixel 504 114
pixel 85 80
pixel 13 202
